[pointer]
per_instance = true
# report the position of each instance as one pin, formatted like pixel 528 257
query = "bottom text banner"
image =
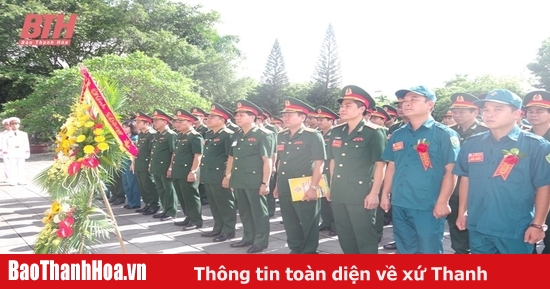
pixel 390 271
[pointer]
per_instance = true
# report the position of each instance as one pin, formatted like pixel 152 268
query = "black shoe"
pixel 166 218
pixel 158 215
pixel 143 210
pixel 256 249
pixel 151 211
pixel 192 227
pixel 224 237
pixel 332 233
pixel 240 244
pixel 126 206
pixel 118 202
pixel 390 246
pixel 183 223
pixel 211 234
pixel 133 207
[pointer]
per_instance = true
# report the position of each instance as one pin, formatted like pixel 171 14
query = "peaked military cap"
pixel 539 98
pixel 262 115
pixel 276 119
pixel 463 100
pixel 198 111
pixel 266 112
pixel 182 114
pixel 353 92
pixel 295 105
pixel 503 96
pixel 448 113
pixel 247 106
pixel 392 111
pixel 420 89
pixel 380 112
pixel 159 114
pixel 219 110
pixel 142 116
pixel 323 111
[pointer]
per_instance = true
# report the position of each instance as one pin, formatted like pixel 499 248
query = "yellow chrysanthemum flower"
pixel 71 130
pixel 56 208
pixel 80 138
pixel 98 131
pixel 47 219
pixel 80 124
pixel 89 124
pixel 99 138
pixel 103 146
pixel 89 149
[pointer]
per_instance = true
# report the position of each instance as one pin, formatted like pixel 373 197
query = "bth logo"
pixel 37 28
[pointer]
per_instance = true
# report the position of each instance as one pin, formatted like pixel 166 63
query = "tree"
pixel 476 87
pixel 179 34
pixel 541 68
pixel 146 82
pixel 274 82
pixel 326 78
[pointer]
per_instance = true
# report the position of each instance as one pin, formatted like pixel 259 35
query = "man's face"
pixel 14 125
pixel 350 110
pixel 464 115
pixel 243 118
pixel 159 123
pixel 312 122
pixel 293 119
pixel 377 120
pixel 448 120
pixel 498 115
pixel 215 121
pixel 324 123
pixel 538 115
pixel 416 105
pixel 141 125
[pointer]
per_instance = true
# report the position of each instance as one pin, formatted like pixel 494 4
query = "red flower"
pixel 90 162
pixel 64 231
pixel 69 221
pixel 74 168
pixel 422 147
pixel 511 159
pixel 98 125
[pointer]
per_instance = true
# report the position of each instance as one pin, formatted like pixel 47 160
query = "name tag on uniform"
pixel 336 143
pixel 161 138
pixel 398 146
pixel 216 140
pixel 234 143
pixel 251 139
pixel 475 157
pixel 358 139
pixel 298 142
pixel 280 147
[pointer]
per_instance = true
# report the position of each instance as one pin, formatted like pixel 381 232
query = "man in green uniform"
pixel 149 193
pixel 249 171
pixel 379 117
pixel 448 119
pixel 311 120
pixel 357 171
pixel 301 154
pixel 213 166
pixel 464 113
pixel 392 112
pixel 199 126
pixel 277 122
pixel 326 118
pixel 537 105
pixel 185 167
pixel 161 159
pixel 263 121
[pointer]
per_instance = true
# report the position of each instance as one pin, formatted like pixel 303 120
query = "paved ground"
pixel 21 209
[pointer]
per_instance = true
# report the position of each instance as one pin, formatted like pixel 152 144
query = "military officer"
pixel 326 118
pixel 379 117
pixel 421 157
pixel 201 127
pixel 448 118
pixel 213 166
pixel 249 171
pixel 149 193
pixel 277 122
pixel 264 119
pixel 301 154
pixel 504 183
pixel 537 105
pixel 231 125
pixel 15 150
pixel 185 167
pixel 161 160
pixel 356 170
pixel 404 119
pixel 392 112
pixel 464 114
pixel 311 120
pixel 7 130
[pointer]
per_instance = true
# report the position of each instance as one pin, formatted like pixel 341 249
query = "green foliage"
pixel 541 67
pixel 477 86
pixel 145 82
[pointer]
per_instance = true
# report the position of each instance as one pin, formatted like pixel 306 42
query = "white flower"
pixel 56 219
pixel 65 208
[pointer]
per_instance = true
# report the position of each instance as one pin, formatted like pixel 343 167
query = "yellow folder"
pixel 299 186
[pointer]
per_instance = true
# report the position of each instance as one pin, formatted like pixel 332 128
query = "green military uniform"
pixel 272 181
pixel 161 157
pixel 459 238
pixel 202 129
pixel 354 155
pixel 232 126
pixel 297 153
pixel 248 150
pixel 187 145
pixel 540 99
pixel 214 161
pixel 327 216
pixel 149 193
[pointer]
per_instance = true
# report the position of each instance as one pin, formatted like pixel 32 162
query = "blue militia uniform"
pixel 500 211
pixel 414 190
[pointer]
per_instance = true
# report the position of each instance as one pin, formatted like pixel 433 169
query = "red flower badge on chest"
pixel 251 139
pixel 422 147
pixel 510 159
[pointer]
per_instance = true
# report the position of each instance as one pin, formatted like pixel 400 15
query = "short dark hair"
pixel 132 125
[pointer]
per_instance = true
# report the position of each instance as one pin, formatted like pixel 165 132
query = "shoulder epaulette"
pixel 340 125
pixel 372 125
pixel 284 130
pixel 264 130
pixel 310 129
pixel 227 130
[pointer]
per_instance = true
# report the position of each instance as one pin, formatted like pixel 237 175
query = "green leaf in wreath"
pixel 514 151
pixel 505 152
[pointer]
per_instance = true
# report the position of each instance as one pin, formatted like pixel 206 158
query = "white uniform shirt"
pixel 15 144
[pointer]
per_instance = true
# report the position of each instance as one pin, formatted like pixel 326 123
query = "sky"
pixel 392 44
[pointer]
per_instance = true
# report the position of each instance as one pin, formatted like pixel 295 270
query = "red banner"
pixel 291 271
pixel 90 90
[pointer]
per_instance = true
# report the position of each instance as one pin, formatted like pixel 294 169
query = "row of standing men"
pixel 14 150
